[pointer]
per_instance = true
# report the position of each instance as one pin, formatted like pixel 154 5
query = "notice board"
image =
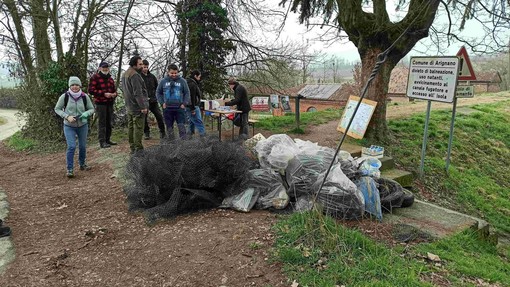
pixel 361 120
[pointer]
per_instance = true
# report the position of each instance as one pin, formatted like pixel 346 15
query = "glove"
pixel 84 116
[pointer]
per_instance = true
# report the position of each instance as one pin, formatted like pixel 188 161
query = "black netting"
pixel 183 176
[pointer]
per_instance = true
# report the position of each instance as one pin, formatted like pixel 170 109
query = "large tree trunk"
pixel 122 38
pixel 377 91
pixel 41 38
pixel 373 33
pixel 53 10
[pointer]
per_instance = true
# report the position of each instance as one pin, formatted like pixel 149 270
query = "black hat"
pixel 104 64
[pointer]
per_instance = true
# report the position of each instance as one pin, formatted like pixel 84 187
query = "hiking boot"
pixel 5 231
pixel 104 145
pixel 70 173
pixel 111 143
pixel 85 167
pixel 147 136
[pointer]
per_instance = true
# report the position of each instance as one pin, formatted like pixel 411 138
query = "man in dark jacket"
pixel 193 110
pixel 102 88
pixel 136 100
pixel 242 103
pixel 151 83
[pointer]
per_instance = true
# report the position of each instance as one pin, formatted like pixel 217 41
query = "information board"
pixel 433 78
pixel 260 104
pixel 286 104
pixel 465 92
pixel 363 115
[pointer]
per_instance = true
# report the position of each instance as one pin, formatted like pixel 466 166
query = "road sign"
pixel 465 92
pixel 466 72
pixel 433 78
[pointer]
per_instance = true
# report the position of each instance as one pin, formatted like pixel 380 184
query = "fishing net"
pixel 183 176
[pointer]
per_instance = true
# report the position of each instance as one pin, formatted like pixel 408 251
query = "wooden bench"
pixel 252 122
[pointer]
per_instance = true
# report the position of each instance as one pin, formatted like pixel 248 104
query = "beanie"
pixel 73 80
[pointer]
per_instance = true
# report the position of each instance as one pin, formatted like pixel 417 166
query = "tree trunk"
pixel 41 38
pixel 22 44
pixel 123 36
pixel 56 25
pixel 377 91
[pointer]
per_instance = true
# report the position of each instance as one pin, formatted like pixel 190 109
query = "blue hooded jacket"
pixel 173 92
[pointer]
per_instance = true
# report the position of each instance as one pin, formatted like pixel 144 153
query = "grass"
pixel 477 181
pixel 317 251
pixel 287 123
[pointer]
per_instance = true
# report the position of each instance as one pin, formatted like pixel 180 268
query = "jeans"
pixel 135 130
pixel 195 121
pixel 171 116
pixel 105 118
pixel 70 134
pixel 154 108
pixel 244 131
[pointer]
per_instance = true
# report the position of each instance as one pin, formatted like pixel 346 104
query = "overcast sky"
pixel 347 50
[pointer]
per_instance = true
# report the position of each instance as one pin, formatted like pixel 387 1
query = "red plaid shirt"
pixel 100 84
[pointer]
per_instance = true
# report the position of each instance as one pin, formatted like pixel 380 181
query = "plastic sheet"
pixel 368 188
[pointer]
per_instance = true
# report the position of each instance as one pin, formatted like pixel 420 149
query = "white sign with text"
pixel 465 92
pixel 433 78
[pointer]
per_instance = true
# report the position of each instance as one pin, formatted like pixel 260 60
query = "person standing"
pixel 242 103
pixel 193 109
pixel 75 107
pixel 137 104
pixel 173 95
pixel 151 83
pixel 102 88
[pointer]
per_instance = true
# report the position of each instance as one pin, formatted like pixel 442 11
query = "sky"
pixel 347 50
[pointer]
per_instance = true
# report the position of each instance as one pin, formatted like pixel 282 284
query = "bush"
pixel 37 100
pixel 8 97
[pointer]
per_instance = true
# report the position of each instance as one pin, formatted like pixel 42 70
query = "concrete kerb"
pixel 439 222
pixel 7 252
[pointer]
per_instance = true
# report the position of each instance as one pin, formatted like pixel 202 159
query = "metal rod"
pixel 425 136
pixel 450 140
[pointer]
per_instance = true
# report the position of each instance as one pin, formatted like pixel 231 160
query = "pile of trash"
pixel 292 175
pixel 276 173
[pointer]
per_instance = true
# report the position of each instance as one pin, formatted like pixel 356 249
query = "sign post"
pixel 432 79
pixel 466 73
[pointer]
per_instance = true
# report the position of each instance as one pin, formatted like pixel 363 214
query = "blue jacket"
pixel 173 92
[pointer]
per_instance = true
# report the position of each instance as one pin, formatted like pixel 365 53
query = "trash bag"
pixel 283 147
pixel 339 196
pixel 370 167
pixel 368 188
pixel 269 184
pixel 242 202
pixel 302 172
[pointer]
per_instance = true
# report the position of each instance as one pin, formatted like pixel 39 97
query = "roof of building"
pixel 488 76
pixel 319 91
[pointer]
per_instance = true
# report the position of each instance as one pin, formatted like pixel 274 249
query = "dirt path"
pixel 77 232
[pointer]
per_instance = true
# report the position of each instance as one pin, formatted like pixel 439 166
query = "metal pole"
pixel 298 98
pixel 425 136
pixel 450 140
